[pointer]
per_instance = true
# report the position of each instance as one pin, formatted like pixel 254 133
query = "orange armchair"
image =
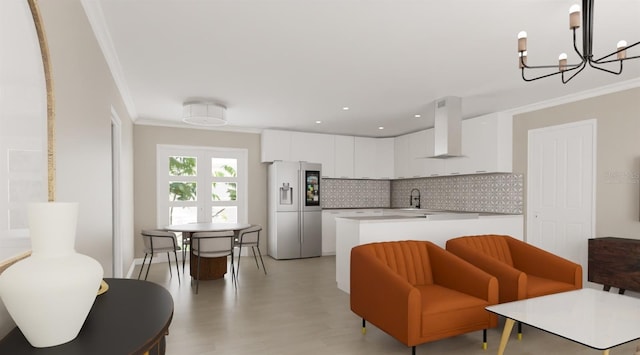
pixel 418 292
pixel 523 270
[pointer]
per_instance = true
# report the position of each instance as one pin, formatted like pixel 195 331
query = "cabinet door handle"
pixel 481 171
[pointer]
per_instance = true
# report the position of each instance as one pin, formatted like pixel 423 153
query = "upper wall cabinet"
pixel 401 157
pixel 343 152
pixel 275 145
pixel 486 145
pixel 299 146
pixel 486 148
pixel 385 158
pixel 373 158
pixel 314 148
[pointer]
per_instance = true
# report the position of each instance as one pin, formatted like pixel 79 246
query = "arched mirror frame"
pixel 46 63
pixel 50 116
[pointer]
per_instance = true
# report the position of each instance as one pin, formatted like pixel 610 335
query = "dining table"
pixel 210 268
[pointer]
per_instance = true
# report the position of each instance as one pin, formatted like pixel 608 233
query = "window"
pixel 200 184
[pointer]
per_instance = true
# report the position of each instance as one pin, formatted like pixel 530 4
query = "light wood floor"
pixel 297 309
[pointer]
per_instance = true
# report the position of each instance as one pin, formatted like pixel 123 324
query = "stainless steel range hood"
pixel 448 128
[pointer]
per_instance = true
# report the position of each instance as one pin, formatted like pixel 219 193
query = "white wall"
pixel 618 155
pixel 147 138
pixel 85 93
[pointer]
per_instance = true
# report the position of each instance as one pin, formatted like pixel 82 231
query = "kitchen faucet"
pixel 416 199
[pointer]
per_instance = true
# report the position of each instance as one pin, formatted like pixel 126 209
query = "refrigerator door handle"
pixel 302 188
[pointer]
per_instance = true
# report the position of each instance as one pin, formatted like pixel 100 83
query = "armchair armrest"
pixel 383 298
pixel 450 271
pixel 511 282
pixel 535 261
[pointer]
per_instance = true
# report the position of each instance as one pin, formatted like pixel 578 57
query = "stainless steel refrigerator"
pixel 295 215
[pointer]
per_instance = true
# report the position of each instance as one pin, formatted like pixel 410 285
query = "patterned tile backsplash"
pixel 496 193
pixel 342 193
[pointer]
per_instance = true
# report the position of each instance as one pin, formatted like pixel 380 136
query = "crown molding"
pixel 95 15
pixel 172 124
pixel 587 94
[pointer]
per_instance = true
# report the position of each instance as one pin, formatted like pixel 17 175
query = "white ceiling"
pixel 287 63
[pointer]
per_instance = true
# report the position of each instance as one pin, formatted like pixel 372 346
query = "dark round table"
pixel 132 317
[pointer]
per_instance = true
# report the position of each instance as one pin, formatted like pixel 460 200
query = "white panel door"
pixel 560 189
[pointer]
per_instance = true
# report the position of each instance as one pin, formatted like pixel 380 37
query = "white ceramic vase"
pixel 50 293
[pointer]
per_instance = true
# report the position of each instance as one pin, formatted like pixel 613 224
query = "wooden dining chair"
pixel 213 245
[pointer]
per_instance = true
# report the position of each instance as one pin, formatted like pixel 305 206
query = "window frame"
pixel 204 179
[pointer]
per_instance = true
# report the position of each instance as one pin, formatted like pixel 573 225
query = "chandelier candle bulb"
pixel 574 17
pixel 522 59
pixel 522 41
pixel 622 45
pixel 562 60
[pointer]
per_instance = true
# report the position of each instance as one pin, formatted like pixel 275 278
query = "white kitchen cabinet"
pixel 486 146
pixel 432 166
pixel 489 143
pixel 464 164
pixel 314 148
pixel 401 157
pixel 421 147
pixel 417 153
pixel 373 158
pixel 365 158
pixel 384 159
pixel 343 156
pixel 275 145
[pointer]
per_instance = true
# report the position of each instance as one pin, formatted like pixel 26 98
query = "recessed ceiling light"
pixel 318 122
pixel 346 108
pixel 417 115
pixel 380 127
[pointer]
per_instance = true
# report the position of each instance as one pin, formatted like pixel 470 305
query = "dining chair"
pixel 250 237
pixel 159 241
pixel 213 245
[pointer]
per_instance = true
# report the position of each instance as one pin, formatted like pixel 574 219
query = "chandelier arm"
pixel 600 60
pixel 591 64
pixel 539 77
pixel 574 74
pixel 569 66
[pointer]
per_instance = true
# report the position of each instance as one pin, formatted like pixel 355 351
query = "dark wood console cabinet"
pixel 132 317
pixel 615 262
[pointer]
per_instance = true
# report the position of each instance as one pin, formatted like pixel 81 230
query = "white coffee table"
pixel 594 318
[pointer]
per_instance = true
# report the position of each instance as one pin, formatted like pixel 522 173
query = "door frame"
pixel 116 194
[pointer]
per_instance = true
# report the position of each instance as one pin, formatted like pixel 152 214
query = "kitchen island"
pixel 353 231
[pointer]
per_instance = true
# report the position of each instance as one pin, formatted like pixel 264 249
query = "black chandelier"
pixel 587 49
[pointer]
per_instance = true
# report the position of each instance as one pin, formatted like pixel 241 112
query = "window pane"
pixel 223 191
pixel 224 167
pixel 227 214
pixel 183 215
pixel 182 191
pixel 182 166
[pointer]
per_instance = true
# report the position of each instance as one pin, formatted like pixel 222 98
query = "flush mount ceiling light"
pixel 204 114
pixel 586 56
